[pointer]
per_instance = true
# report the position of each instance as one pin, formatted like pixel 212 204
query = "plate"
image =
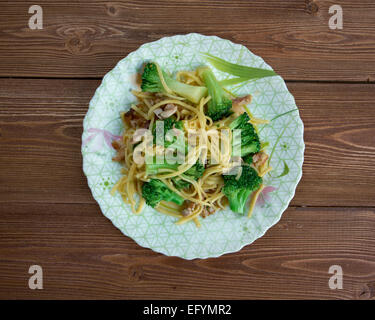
pixel 224 231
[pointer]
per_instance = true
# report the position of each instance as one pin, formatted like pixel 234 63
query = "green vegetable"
pixel 220 104
pixel 169 124
pixel 155 191
pixel 151 83
pixel 156 168
pixel 232 81
pixel 250 143
pixel 193 173
pixel 248 159
pixel 238 191
pixel 237 70
pixel 180 184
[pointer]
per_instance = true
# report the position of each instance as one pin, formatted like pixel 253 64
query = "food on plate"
pixel 190 147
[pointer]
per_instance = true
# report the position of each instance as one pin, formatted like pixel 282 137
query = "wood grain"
pixel 83 256
pixel 47 214
pixel 41 127
pixel 87 38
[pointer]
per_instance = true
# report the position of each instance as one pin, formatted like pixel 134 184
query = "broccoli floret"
pixel 240 122
pixel 151 83
pixel 238 191
pixel 169 124
pixel 193 173
pixel 248 159
pixel 180 147
pixel 155 191
pixel 156 168
pixel 220 105
pixel 250 142
pixel 180 184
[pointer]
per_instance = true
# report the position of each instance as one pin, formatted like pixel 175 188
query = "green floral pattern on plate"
pixel 224 231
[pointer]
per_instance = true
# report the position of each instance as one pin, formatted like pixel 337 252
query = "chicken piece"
pixel 158 111
pixel 238 103
pixel 134 120
pixel 120 148
pixel 259 159
pixel 189 209
pixel 207 211
pixel 136 80
pixel 169 110
pixel 138 134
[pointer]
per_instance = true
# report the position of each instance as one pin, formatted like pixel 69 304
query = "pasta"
pixel 208 142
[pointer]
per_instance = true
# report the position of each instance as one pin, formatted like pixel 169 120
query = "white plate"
pixel 224 231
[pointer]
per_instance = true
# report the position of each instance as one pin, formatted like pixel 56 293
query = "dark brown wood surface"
pixel 84 256
pixel 47 214
pixel 86 38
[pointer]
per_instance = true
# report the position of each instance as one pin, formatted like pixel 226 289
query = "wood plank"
pixel 86 38
pixel 41 126
pixel 339 135
pixel 84 256
pixel 40 134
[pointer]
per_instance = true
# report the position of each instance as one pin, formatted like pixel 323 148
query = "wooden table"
pixel 47 214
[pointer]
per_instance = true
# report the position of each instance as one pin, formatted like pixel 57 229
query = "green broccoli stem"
pixel 219 105
pixel 250 149
pixel 245 149
pixel 214 89
pixel 238 203
pixel 192 93
pixel 151 82
pixel 239 121
pixel 174 197
pixel 155 168
pixel 238 190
